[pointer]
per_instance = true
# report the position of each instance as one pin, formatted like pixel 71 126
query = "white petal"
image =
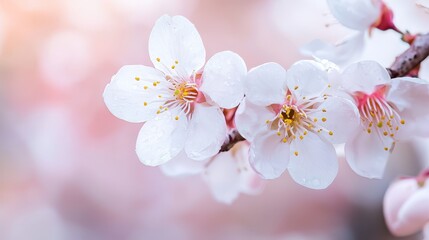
pixel 207 132
pixel 265 84
pixel 223 178
pixel 176 39
pixel 411 97
pixel 250 118
pixel 342 53
pixel 307 78
pixel 125 96
pixel 313 162
pixel 161 138
pixel 355 14
pixel 183 165
pixel 414 214
pixel 396 195
pixel 338 115
pixel 223 79
pixel 269 156
pixel 366 155
pixel 364 76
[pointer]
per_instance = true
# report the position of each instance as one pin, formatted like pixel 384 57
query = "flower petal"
pixel 366 154
pixel 125 96
pixel 265 84
pixel 414 214
pixel 307 79
pixel 342 53
pixel 161 138
pixel 269 156
pixel 250 118
pixel 223 79
pixel 223 178
pixel 355 14
pixel 364 76
pixel 397 194
pixel 313 162
pixel 207 132
pixel 410 96
pixel 176 39
pixel 183 165
pixel 338 116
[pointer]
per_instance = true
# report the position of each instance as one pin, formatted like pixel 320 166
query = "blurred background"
pixel 68 169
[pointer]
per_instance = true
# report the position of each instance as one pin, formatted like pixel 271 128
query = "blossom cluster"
pixel 291 119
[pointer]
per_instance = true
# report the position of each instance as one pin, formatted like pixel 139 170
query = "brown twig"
pixel 411 58
pixel 233 138
pixel 404 64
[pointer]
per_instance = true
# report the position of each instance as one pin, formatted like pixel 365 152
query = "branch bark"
pixel 411 58
pixel 233 138
pixel 403 64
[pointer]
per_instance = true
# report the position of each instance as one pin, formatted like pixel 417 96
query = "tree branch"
pixel 411 58
pixel 404 63
pixel 233 138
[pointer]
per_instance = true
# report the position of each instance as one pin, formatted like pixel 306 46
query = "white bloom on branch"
pixel 227 174
pixel 292 122
pixel 406 207
pixel 179 100
pixel 390 110
pixel 359 15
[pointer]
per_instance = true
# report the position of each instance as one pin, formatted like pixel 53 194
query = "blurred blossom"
pixel 50 136
pixel 66 59
pixel 229 174
pixel 406 207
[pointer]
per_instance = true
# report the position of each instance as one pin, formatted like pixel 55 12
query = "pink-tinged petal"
pixel 414 214
pixel 183 165
pixel 129 95
pixel 307 79
pixel 397 194
pixel 162 138
pixel 269 156
pixel 342 53
pixel 223 79
pixel 265 85
pixel 251 118
pixel 174 41
pixel 355 14
pixel 338 116
pixel 223 178
pixel 410 97
pixel 207 132
pixel 365 152
pixel 313 162
pixel 229 174
pixel 405 207
pixel 364 77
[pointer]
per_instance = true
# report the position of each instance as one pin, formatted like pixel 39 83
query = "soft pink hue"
pixel 406 206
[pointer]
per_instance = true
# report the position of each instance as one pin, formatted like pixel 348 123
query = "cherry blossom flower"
pixel 406 207
pixel 179 100
pixel 359 15
pixel 227 174
pixel 291 122
pixel 390 110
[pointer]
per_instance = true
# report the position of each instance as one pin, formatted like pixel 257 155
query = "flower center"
pixel 293 121
pixel 186 92
pixel 378 116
